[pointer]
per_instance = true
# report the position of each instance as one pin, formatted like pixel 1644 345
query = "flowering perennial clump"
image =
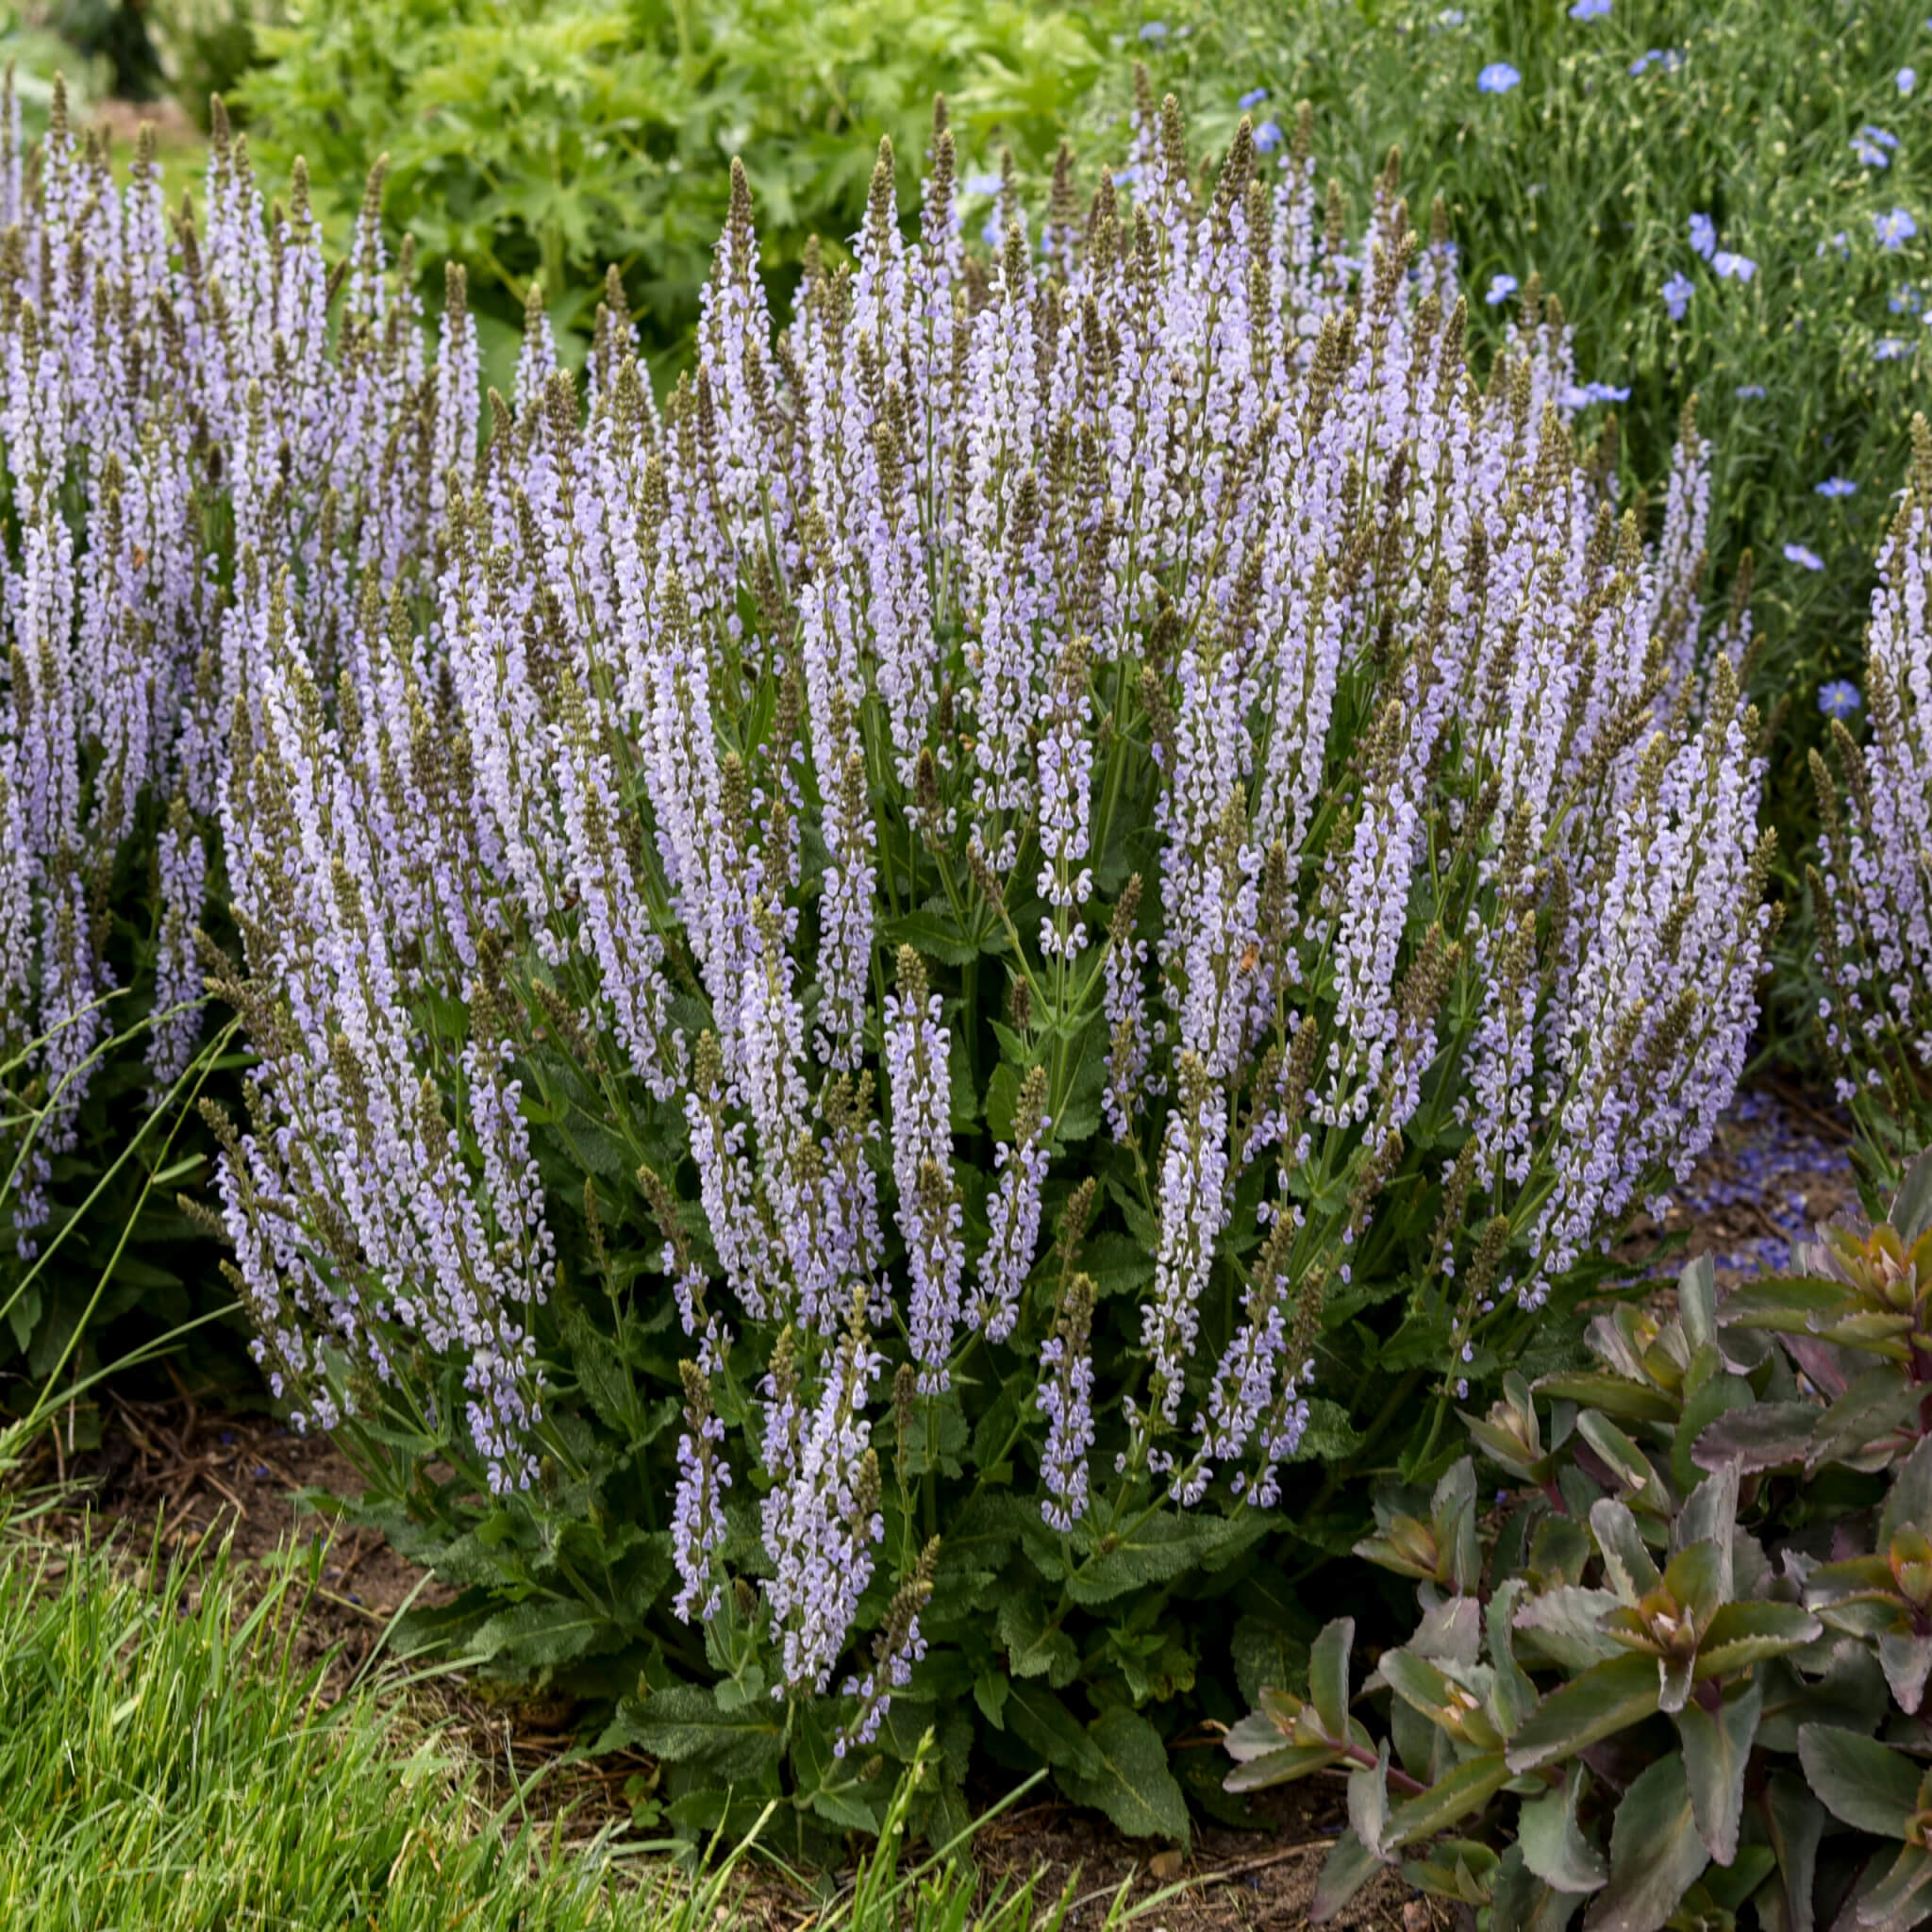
pixel 1869 888
pixel 918 944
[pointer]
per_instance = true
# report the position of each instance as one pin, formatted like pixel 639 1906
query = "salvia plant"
pixel 112 424
pixel 1869 885
pixel 882 996
pixel 1678 1674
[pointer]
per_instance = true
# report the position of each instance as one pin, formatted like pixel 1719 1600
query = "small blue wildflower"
pixel 1590 9
pixel 1268 137
pixel 1253 98
pixel 1750 392
pixel 1891 349
pixel 1154 30
pixel 1702 236
pixel 1666 57
pixel 1796 553
pixel 1906 300
pixel 1838 699
pixel 1837 486
pixel 1841 242
pixel 1454 16
pixel 1580 397
pixel 1868 154
pixel 981 184
pixel 1733 267
pixel 1907 80
pixel 1895 230
pixel 1127 176
pixel 991 233
pixel 1677 292
pixel 1501 289
pixel 1880 135
pixel 1498 77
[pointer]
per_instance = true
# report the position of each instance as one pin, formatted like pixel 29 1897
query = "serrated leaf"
pixel 1521 1902
pixel 1656 1854
pixel 1629 1566
pixel 1607 1698
pixel 1795 1822
pixel 1345 1872
pixel 1565 1625
pixel 1033 1650
pixel 1740 1635
pixel 1328 1675
pixel 1553 1847
pixel 1860 1781
pixel 682 1723
pixel 1716 1745
pixel 1767 1435
pixel 1129 1780
pixel 1467 1789
pixel 1630 1401
pixel 1167 1545
pixel 546 1631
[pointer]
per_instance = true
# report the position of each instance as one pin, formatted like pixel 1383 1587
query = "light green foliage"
pixel 1683 1672
pixel 533 138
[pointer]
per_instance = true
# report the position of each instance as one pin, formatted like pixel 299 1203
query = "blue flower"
pixel 991 233
pixel 1838 699
pixel 1796 553
pixel 1891 349
pixel 1590 9
pixel 1454 16
pixel 1677 292
pixel 1894 229
pixel 1906 300
pixel 1501 289
pixel 1880 135
pixel 1702 236
pixel 1868 154
pixel 1154 30
pixel 1498 77
pixel 1268 137
pixel 1253 98
pixel 981 184
pixel 1841 242
pixel 1581 398
pixel 1666 57
pixel 1733 267
pixel 1837 486
pixel 1127 176
pixel 1907 80
pixel 1750 392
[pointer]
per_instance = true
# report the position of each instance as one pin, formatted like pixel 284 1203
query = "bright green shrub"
pixel 1678 1674
pixel 532 140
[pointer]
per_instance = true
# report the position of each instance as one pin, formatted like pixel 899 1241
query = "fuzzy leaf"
pixel 682 1723
pixel 1129 1779
pixel 1038 1718
pixel 1167 1545
pixel 1656 1852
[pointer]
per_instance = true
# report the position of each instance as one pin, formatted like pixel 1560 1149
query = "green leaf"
pixel 1038 1718
pixel 1740 1635
pixel 1032 1649
pixel 1767 1435
pixel 1565 1625
pixel 1790 1304
pixel 1795 1820
pixel 543 1632
pixel 1656 1854
pixel 1898 1900
pixel 1328 1675
pixel 1467 1789
pixel 1608 1698
pixel 1911 1207
pixel 1552 1846
pixel 682 1724
pixel 1862 1782
pixel 934 932
pixel 1910 1499
pixel 1629 1567
pixel 1716 1745
pixel 1130 1780
pixel 1630 1401
pixel 1167 1545
pixel 1721 1395
pixel 1522 1902
pixel 1264 1653
pixel 1345 1872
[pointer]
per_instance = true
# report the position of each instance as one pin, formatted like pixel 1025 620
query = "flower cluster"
pixel 1122 733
